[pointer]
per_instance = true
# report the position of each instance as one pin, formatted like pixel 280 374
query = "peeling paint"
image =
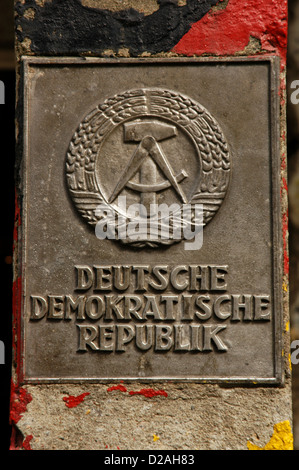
pixel 285 244
pixel 60 27
pixel 290 362
pixel 227 31
pixel 282 438
pixel 220 27
pixel 72 402
pixel 18 404
pixel 147 7
pixel 19 399
pixel 149 392
pixel 284 183
pixel 146 392
pixel 16 326
pixel 29 14
pixel 119 387
pixel 16 295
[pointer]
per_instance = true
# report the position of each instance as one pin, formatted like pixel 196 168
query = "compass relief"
pixel 141 164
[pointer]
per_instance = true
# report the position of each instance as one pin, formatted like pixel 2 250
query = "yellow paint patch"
pixel 285 287
pixel 282 438
pixel 287 326
pixel 155 437
pixel 290 362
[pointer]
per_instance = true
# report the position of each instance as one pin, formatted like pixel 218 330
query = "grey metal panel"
pixel 226 117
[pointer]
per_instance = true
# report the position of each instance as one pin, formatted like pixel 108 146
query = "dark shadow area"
pixel 6 240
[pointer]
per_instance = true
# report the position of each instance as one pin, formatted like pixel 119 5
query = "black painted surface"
pixel 66 27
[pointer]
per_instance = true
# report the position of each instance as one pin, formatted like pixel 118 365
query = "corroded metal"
pixel 181 132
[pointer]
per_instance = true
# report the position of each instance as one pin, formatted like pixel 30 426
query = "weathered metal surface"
pixel 181 132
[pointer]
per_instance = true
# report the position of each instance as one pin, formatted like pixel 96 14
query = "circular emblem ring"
pixel 153 146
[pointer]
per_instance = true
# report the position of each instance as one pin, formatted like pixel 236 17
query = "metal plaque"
pixel 150 220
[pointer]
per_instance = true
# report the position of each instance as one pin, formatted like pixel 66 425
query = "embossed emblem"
pixel 148 146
